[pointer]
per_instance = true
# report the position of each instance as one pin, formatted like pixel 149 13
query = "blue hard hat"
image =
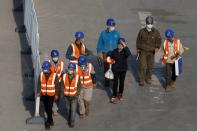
pixel 120 40
pixel 149 20
pixel 72 65
pixel 54 53
pixel 110 22
pixel 169 33
pixel 46 65
pixel 82 60
pixel 79 35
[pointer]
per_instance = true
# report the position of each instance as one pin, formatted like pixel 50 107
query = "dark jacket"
pixel 120 59
pixel 148 41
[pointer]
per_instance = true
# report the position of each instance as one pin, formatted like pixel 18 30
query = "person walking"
pixel 148 43
pixel 107 42
pixel 57 67
pixel 118 59
pixel 71 86
pixel 88 82
pixel 77 48
pixel 48 88
pixel 172 50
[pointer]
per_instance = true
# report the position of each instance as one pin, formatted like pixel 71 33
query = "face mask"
pixel 83 68
pixel 120 47
pixel 149 27
pixel 112 28
pixel 45 71
pixel 70 72
pixel 55 59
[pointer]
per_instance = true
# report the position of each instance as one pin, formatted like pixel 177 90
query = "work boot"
pixel 47 126
pixel 114 100
pixel 81 116
pixel 52 123
pixel 71 125
pixel 172 84
pixel 148 82
pixel 168 88
pixel 141 83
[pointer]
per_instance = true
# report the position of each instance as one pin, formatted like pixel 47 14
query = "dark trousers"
pixel 71 108
pixel 48 105
pixel 119 78
pixel 146 61
pixel 170 73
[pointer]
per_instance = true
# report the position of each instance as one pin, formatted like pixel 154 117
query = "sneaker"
pixel 148 82
pixel 114 99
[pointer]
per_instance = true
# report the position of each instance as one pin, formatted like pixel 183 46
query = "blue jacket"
pixel 107 41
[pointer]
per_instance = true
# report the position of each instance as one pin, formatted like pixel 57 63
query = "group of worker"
pixel 78 81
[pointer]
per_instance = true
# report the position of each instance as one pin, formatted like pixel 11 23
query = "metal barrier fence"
pixel 31 25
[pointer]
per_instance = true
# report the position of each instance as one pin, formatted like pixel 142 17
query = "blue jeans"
pixel 71 108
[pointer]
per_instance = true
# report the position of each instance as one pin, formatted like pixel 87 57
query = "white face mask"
pixel 112 28
pixel 149 27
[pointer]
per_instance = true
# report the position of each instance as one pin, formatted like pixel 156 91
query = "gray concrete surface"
pixel 144 109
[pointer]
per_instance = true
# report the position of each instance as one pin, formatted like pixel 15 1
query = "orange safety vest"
pixel 48 86
pixel 166 49
pixel 70 87
pixel 85 77
pixel 59 69
pixel 77 52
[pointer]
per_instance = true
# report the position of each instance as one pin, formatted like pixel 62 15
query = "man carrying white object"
pixel 172 51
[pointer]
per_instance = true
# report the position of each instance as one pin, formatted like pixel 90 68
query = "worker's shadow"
pixel 27 70
pixel 98 66
pixel 133 67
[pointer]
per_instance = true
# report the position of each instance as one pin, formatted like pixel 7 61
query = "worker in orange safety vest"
pixel 172 50
pixel 57 67
pixel 48 87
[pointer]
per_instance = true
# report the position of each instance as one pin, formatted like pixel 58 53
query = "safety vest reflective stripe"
pixel 70 93
pixel 70 89
pixel 48 87
pixel 74 61
pixel 50 91
pixel 44 85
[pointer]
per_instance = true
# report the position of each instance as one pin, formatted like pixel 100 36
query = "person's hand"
pixel 56 98
pixel 94 85
pixel 156 50
pixel 123 44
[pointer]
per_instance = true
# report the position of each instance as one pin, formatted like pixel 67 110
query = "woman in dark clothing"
pixel 119 68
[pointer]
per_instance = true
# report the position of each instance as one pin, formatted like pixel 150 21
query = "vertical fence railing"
pixel 31 24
